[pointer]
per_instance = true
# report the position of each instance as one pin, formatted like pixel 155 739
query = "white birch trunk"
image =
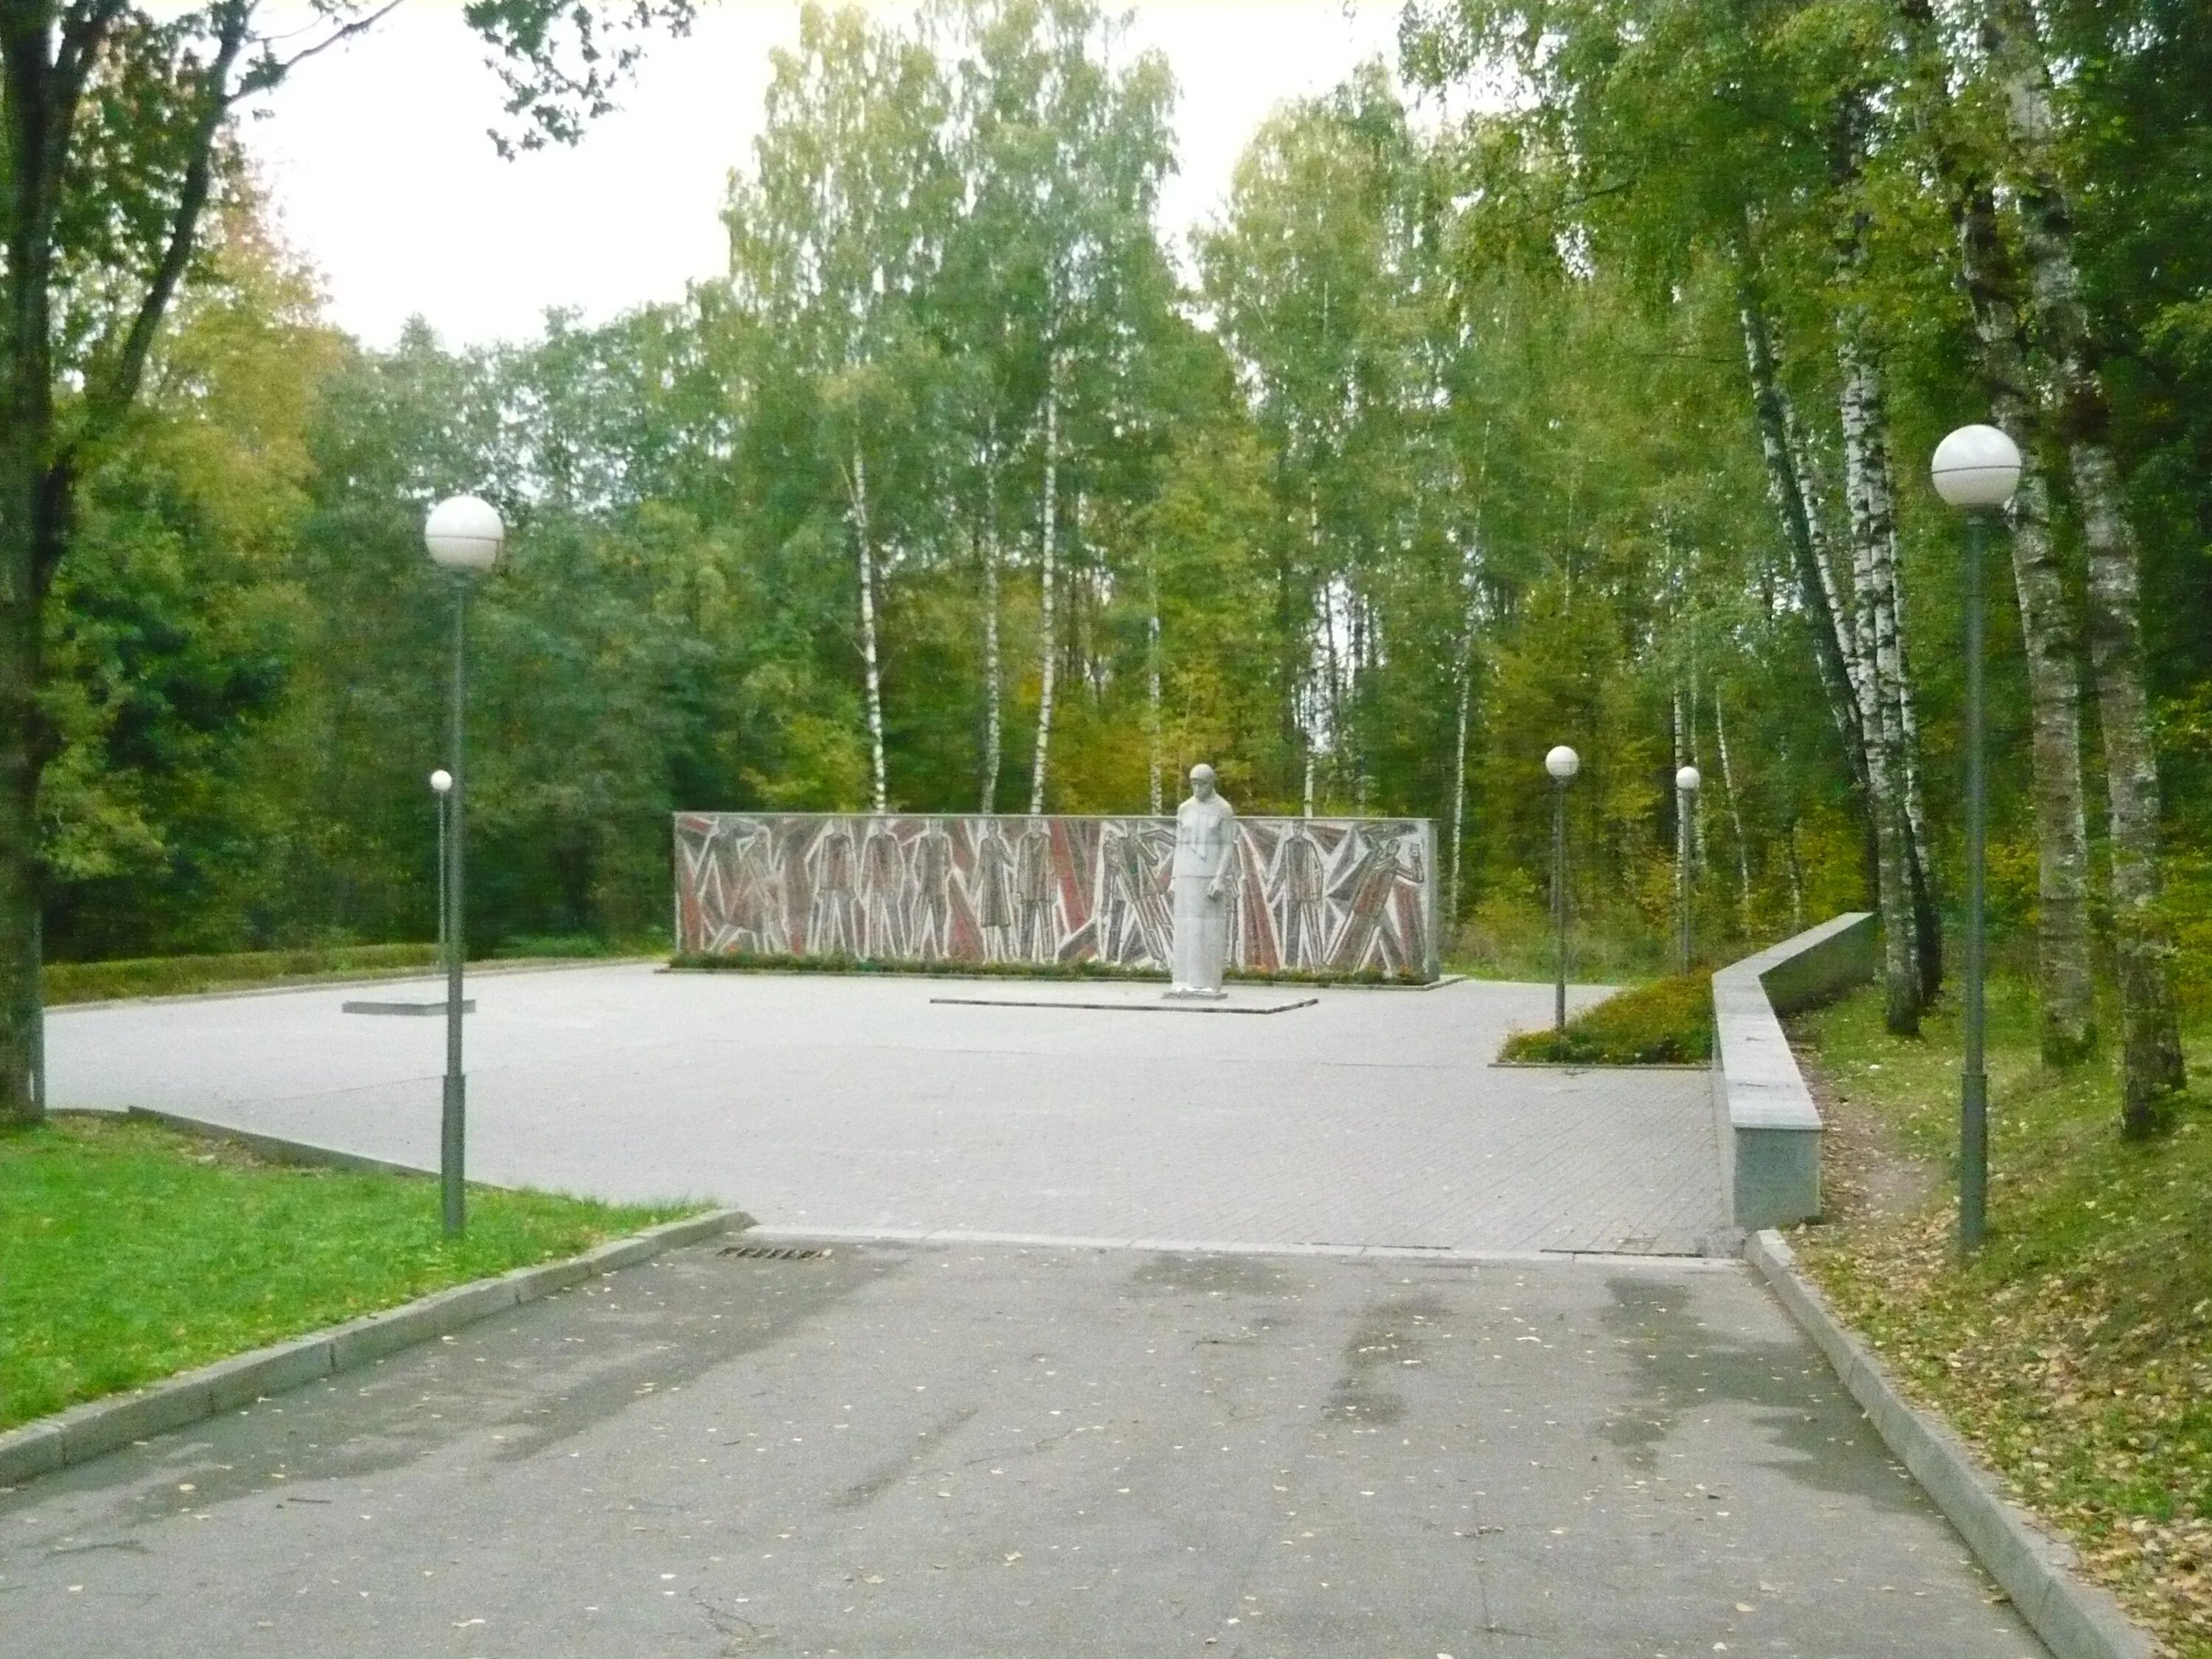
pixel 1155 760
pixel 1048 650
pixel 2065 990
pixel 2151 1070
pixel 869 662
pixel 1903 997
pixel 993 666
pixel 1735 819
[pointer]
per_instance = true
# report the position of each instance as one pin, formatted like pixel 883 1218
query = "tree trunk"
pixel 993 666
pixel 2065 988
pixel 21 763
pixel 1834 646
pixel 1047 648
pixel 1459 752
pixel 870 664
pixel 1735 820
pixel 1155 760
pixel 1871 517
pixel 2151 1065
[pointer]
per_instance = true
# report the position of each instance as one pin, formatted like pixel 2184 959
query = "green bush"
pixel 1668 1022
pixel 157 976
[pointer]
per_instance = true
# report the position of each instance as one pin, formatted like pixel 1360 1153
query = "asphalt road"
pixel 895 1450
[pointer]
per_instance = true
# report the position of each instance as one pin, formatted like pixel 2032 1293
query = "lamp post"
pixel 1562 764
pixel 1687 783
pixel 442 786
pixel 1975 469
pixel 463 536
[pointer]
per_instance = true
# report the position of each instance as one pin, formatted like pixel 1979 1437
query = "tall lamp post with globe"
pixel 1976 469
pixel 464 537
pixel 1562 764
pixel 1687 782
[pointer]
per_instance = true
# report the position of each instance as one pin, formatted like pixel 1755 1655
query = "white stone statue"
pixel 1205 878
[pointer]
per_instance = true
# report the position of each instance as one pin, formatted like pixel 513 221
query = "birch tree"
pixel 834 239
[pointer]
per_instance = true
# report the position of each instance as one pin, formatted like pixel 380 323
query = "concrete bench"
pixel 1770 1128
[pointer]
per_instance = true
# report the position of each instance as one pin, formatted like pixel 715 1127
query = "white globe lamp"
pixel 1688 779
pixel 1563 763
pixel 464 534
pixel 1976 468
pixel 442 782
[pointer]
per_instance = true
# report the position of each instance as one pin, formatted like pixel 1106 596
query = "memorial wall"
pixel 1315 895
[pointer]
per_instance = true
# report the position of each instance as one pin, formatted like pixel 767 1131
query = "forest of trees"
pixel 1571 379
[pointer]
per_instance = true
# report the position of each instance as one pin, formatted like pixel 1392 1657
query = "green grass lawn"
pixel 1668 1022
pixel 2076 1353
pixel 128 1252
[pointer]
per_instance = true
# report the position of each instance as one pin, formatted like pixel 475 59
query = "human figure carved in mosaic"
pixel 994 893
pixel 1389 865
pixel 882 890
pixel 932 934
pixel 1301 898
pixel 1033 882
pixel 1135 925
pixel 1205 874
pixel 751 913
pixel 833 920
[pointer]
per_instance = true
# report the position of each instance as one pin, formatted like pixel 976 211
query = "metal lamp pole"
pixel 1975 468
pixel 463 535
pixel 1562 764
pixel 1687 782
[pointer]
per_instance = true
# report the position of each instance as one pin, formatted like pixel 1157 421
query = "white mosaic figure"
pixel 1204 874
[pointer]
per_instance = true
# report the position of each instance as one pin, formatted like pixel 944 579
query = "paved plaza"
pixel 1368 1118
pixel 1292 1327
pixel 979 1451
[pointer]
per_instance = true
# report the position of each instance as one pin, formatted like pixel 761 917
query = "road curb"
pixel 275 1148
pixel 84 1432
pixel 2075 1619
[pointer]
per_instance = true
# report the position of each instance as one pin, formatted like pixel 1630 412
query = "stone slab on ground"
pixel 1371 1118
pixel 996 1451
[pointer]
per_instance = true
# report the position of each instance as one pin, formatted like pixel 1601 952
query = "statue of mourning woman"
pixel 1205 881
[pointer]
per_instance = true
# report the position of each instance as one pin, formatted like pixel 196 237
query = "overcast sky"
pixel 383 178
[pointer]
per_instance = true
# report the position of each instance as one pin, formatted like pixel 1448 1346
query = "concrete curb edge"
pixel 2076 1619
pixel 276 1148
pixel 84 1432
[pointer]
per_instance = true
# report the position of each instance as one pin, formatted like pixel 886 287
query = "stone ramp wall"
pixel 1769 1127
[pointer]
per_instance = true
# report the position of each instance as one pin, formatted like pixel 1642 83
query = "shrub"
pixel 1668 1022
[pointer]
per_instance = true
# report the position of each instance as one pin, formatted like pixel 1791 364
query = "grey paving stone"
pixel 1372 1117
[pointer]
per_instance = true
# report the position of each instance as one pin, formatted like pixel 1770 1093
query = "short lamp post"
pixel 1686 784
pixel 463 536
pixel 1562 764
pixel 1976 469
pixel 442 786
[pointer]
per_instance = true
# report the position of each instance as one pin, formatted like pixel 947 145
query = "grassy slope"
pixel 2076 1353
pixel 128 1253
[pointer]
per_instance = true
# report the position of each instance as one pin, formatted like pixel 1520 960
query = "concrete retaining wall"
pixel 1770 1128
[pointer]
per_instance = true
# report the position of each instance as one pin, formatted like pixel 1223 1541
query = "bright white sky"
pixel 398 198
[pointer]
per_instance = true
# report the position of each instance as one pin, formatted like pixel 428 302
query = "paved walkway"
pixel 1369 1118
pixel 981 1451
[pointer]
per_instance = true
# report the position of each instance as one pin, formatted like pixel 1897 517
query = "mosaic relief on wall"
pixel 1340 895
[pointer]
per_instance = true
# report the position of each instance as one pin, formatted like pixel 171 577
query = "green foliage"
pixel 133 1253
pixel 1668 1022
pixel 164 976
pixel 2072 1352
